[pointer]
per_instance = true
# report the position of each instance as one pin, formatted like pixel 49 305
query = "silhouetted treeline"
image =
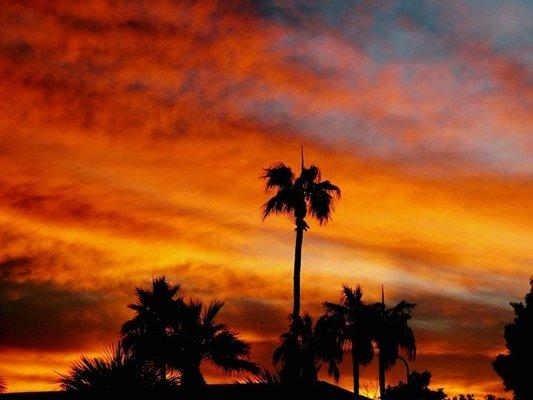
pixel 516 366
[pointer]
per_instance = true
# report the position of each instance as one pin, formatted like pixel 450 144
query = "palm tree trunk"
pixel 163 372
pixel 297 269
pixel 355 371
pixel 381 376
pixel 191 377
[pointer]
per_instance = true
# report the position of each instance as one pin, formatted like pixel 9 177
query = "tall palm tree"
pixel 201 338
pixel 117 372
pixel 353 323
pixel 392 335
pixel 298 197
pixel 157 313
pixel 303 350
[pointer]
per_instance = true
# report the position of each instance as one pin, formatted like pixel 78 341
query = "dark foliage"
pixel 175 335
pixel 265 376
pixel 392 335
pixel 116 372
pixel 515 367
pixel 149 333
pixel 299 196
pixel 303 350
pixel 353 324
pixel 201 338
pixel 416 388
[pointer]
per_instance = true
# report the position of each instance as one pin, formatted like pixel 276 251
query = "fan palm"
pixel 157 312
pixel 116 372
pixel 298 197
pixel 353 322
pixel 303 350
pixel 201 338
pixel 392 335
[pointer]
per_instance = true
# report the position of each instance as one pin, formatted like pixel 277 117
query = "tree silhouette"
pixel 201 338
pixel 392 335
pixel 173 334
pixel 416 388
pixel 3 385
pixel 303 350
pixel 117 372
pixel 157 314
pixel 491 396
pixel 353 322
pixel 298 197
pixel 467 396
pixel 515 367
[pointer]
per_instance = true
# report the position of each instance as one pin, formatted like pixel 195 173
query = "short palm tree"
pixel 157 313
pixel 201 338
pixel 3 385
pixel 303 350
pixel 116 372
pixel 298 197
pixel 392 335
pixel 353 323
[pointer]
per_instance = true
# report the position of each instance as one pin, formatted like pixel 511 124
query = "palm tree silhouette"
pixel 3 385
pixel 118 372
pixel 392 335
pixel 298 197
pixel 157 313
pixel 353 323
pixel 303 350
pixel 201 338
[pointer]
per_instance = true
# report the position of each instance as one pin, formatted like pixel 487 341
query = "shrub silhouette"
pixel 117 371
pixel 416 388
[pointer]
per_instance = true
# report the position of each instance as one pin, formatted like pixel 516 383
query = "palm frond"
pixel 265 376
pixel 310 175
pixel 278 176
pixel 231 354
pixel 116 371
pixel 330 188
pixel 283 202
pixel 334 308
pixel 212 311
pixel 321 204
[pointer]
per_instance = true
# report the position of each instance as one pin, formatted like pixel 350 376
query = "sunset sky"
pixel 133 135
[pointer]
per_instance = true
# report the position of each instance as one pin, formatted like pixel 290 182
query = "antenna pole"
pixel 302 151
